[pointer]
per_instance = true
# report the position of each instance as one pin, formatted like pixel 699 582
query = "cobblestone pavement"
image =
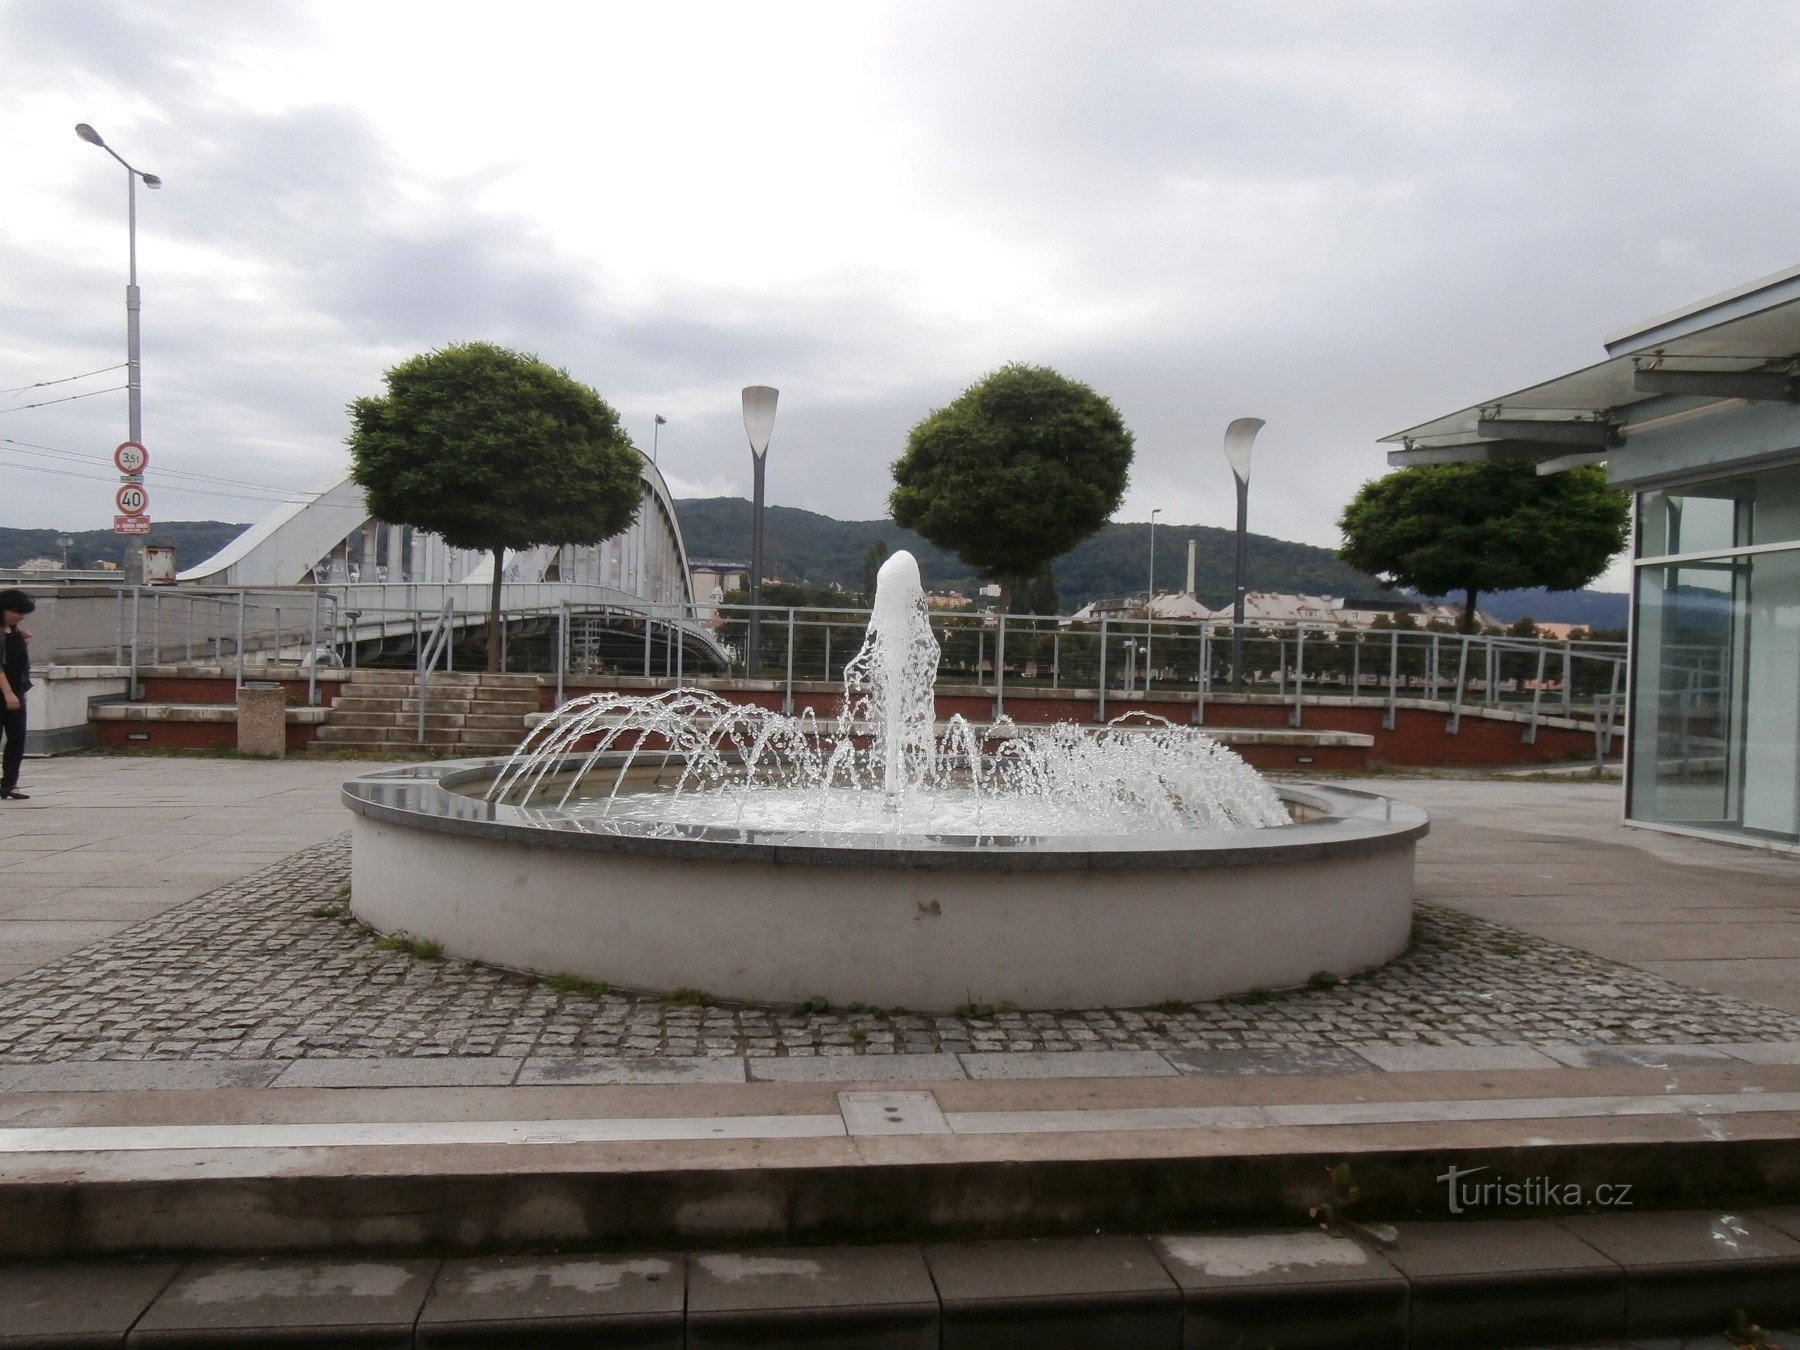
pixel 268 967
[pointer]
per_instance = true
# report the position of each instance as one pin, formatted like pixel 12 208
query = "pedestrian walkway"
pixel 198 1049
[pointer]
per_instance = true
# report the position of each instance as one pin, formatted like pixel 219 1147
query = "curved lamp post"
pixel 134 385
pixel 1239 437
pixel 759 425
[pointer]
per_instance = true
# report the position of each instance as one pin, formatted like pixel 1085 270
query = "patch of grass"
pixel 982 1010
pixel 578 985
pixel 1508 949
pixel 1256 995
pixel 420 949
pixel 1323 979
pixel 326 912
pixel 686 998
pixel 1171 1006
pixel 818 1003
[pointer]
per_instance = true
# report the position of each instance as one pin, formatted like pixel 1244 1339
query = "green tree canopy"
pixel 494 450
pixel 1488 526
pixel 1014 472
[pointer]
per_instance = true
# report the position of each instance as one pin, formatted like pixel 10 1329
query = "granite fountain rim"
pixel 424 796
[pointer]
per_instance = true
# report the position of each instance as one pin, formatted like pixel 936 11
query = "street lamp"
pixel 656 434
pixel 759 425
pixel 134 385
pixel 1239 437
pixel 1150 598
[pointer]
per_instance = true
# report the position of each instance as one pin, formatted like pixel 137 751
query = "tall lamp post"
pixel 1239 437
pixel 759 425
pixel 134 384
pixel 1150 598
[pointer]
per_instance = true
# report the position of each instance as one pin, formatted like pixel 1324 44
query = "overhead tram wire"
pixel 203 484
pixel 68 398
pixel 295 496
pixel 44 384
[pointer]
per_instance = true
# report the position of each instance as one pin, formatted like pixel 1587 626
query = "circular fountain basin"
pixel 924 922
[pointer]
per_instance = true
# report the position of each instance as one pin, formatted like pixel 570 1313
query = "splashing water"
pixel 695 758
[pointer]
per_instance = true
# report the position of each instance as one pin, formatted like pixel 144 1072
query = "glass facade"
pixel 1715 710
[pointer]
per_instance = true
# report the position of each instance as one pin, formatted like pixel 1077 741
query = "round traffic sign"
pixel 132 500
pixel 131 457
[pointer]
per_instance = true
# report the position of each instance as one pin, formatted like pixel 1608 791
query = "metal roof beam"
pixel 1750 385
pixel 1470 452
pixel 1599 435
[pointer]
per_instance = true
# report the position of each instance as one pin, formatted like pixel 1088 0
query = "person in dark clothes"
pixel 15 679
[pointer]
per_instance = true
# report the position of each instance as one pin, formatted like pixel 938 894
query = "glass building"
pixel 1697 414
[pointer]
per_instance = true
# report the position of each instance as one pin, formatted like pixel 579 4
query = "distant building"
pixel 712 579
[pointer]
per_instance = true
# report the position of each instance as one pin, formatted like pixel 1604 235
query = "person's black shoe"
pixel 14 796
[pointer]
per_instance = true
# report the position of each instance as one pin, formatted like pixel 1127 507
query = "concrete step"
pixel 470 679
pixel 359 718
pixel 365 703
pixel 386 737
pixel 1295 1286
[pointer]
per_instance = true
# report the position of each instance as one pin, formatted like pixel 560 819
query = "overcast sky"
pixel 1343 218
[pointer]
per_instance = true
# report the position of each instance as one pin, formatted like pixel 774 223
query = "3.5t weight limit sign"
pixel 131 458
pixel 132 500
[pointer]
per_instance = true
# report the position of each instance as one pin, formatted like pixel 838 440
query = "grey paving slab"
pixel 1305 1289
pixel 604 1071
pixel 1075 1064
pixel 278 1300
pixel 45 1304
pixel 1691 1271
pixel 367 1073
pixel 496 1303
pixel 1636 1056
pixel 1506 1283
pixel 1307 1059
pixel 138 1076
pixel 1785 1218
pixel 1411 1058
pixel 857 1068
pixel 1096 1292
pixel 860 1298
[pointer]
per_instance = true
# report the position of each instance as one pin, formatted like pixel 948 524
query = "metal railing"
pixel 1119 659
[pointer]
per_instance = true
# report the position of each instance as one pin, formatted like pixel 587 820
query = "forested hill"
pixel 194 541
pixel 817 550
pixel 804 546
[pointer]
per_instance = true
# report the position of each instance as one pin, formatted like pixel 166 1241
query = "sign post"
pixel 132 499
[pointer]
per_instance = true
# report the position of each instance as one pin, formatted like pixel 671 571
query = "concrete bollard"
pixel 262 720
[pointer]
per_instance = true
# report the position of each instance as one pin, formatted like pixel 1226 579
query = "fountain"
pixel 682 840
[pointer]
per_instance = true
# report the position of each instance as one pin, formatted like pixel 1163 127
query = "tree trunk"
pixel 1468 618
pixel 493 627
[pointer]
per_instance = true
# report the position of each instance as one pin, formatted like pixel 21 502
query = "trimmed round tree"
pixel 1489 526
pixel 1022 466
pixel 493 449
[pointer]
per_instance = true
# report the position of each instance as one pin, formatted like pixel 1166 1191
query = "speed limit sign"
pixel 131 457
pixel 132 500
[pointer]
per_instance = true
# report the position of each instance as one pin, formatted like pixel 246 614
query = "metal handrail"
pixel 436 643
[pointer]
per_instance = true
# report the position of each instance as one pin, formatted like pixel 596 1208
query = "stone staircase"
pixel 465 714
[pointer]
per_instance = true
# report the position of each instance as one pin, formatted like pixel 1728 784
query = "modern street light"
pixel 1239 437
pixel 1150 598
pixel 759 425
pixel 134 384
pixel 656 434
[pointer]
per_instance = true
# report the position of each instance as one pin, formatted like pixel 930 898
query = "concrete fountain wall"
pixel 925 924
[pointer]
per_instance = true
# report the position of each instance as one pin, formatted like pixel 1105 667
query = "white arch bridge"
pixel 381 593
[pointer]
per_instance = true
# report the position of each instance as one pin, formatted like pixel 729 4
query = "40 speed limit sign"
pixel 132 500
